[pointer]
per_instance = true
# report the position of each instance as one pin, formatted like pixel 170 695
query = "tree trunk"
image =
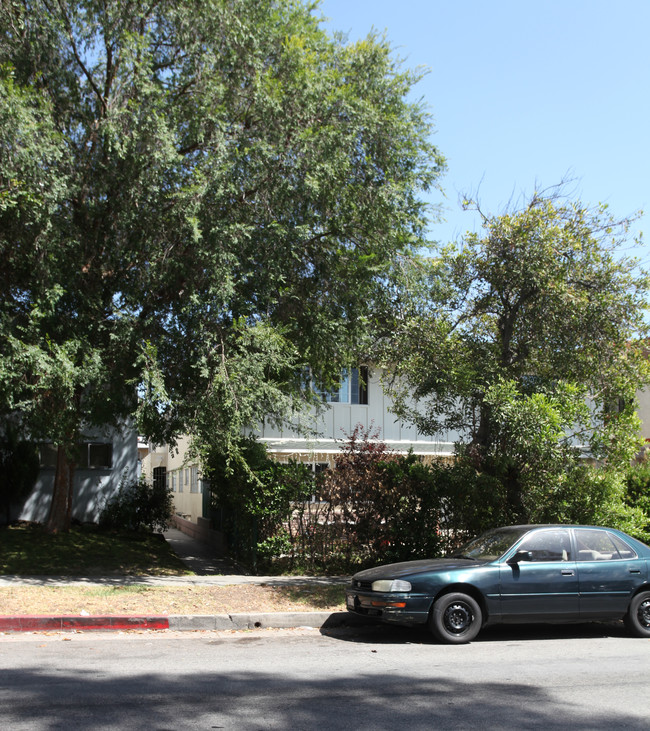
pixel 60 516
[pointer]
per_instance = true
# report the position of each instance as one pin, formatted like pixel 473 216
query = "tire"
pixel 456 618
pixel 637 619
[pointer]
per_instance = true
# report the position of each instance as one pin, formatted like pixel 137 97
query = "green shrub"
pixel 637 495
pixel 138 506
pixel 253 497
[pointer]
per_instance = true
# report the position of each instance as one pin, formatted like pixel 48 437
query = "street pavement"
pixel 376 678
pixel 210 570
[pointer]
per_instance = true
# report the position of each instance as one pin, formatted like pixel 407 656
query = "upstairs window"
pixel 353 388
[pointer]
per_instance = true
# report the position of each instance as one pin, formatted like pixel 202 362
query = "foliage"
pixel 372 506
pixel 19 465
pixel 526 343
pixel 254 497
pixel 196 200
pixel 637 490
pixel 138 506
pixel 375 506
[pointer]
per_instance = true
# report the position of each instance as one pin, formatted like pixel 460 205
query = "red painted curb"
pixel 35 622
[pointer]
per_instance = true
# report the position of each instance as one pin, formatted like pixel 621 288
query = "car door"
pixel 608 573
pixel 543 585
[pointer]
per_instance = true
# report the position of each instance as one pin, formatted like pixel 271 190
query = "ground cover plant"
pixel 26 549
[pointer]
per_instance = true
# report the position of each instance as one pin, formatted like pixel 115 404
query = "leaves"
pixel 211 189
pixel 528 346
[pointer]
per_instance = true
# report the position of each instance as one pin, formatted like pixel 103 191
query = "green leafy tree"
pixel 529 347
pixel 197 200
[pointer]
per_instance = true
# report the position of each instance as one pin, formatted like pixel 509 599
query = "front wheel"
pixel 637 619
pixel 456 618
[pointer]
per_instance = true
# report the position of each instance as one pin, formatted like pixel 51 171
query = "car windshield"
pixel 492 545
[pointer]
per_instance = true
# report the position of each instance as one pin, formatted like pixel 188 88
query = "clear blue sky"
pixel 525 93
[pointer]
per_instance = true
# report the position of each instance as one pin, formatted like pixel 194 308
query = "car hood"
pixel 408 568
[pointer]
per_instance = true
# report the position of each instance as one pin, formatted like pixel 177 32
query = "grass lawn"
pixel 27 550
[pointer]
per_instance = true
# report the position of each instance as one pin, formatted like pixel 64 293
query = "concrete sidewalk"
pixel 211 570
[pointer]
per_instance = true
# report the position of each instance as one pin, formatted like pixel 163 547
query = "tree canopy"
pixel 196 200
pixel 530 346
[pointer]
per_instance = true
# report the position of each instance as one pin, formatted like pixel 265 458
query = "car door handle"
pixel 635 571
pixel 567 572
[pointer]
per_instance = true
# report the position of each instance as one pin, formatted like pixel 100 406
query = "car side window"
pixel 599 545
pixel 623 549
pixel 548 545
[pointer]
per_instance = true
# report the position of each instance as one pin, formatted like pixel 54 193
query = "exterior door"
pixel 545 586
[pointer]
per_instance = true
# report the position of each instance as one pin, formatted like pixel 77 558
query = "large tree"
pixel 530 346
pixel 197 199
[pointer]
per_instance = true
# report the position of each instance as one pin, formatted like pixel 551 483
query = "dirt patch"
pixel 138 599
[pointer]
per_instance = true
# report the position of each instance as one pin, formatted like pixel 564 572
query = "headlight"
pixel 385 585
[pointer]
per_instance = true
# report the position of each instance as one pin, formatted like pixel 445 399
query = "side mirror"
pixel 520 556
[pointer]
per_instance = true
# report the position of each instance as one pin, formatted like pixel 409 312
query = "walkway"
pixel 200 557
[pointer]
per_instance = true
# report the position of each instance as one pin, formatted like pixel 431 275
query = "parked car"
pixel 524 573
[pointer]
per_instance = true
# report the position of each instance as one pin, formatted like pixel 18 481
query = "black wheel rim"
pixel 458 618
pixel 644 613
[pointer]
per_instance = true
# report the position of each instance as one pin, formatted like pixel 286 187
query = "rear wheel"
pixel 456 618
pixel 637 619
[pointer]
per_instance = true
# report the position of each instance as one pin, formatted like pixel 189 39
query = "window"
pixel 159 478
pixel 47 455
pixel 548 545
pixel 353 388
pixel 173 475
pixel 88 455
pixel 99 456
pixel 598 545
pixel 194 479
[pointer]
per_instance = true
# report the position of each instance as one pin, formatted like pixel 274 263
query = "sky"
pixel 525 94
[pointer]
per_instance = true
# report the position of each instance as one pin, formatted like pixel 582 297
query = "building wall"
pixel 182 474
pixel 330 429
pixel 337 420
pixel 92 486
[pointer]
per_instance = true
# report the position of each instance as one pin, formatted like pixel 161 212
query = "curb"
pixel 37 622
pixel 181 622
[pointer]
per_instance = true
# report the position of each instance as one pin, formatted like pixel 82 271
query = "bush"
pixel 254 498
pixel 379 507
pixel 637 495
pixel 138 506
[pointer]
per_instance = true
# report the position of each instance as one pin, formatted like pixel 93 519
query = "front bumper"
pixel 396 608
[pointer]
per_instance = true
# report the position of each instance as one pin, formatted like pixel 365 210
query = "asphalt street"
pixel 582 677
